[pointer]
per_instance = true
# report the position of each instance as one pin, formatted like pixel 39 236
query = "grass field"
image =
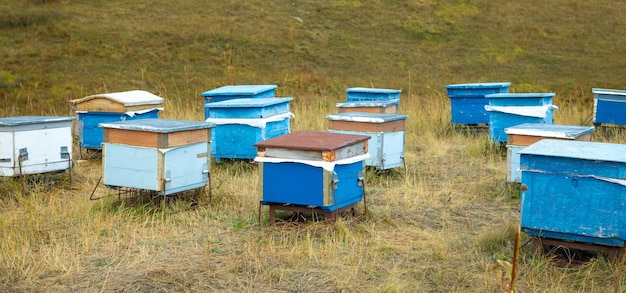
pixel 445 224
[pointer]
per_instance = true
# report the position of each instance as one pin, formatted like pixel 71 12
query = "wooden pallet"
pixel 539 243
pixel 313 211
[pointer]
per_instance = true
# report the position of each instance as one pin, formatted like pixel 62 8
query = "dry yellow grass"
pixel 445 224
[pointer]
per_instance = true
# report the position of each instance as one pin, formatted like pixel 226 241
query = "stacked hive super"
pixel 467 101
pixel 120 106
pixel 312 172
pixel 244 115
pixel 379 120
pixel 506 110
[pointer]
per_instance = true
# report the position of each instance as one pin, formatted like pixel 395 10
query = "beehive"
pixel 359 94
pixel 242 122
pixel 313 169
pixel 386 132
pixel 110 107
pixel 467 101
pixel 381 107
pixel 35 144
pixel 165 156
pixel 523 135
pixel 574 191
pixel 609 106
pixel 510 109
pixel 230 92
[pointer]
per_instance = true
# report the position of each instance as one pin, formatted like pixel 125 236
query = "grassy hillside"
pixel 446 223
pixel 55 50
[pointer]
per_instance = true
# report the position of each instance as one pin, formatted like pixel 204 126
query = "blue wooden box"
pixel 382 107
pixel 230 92
pixel 467 100
pixel 357 94
pixel 386 132
pixel 165 156
pixel 510 109
pixel 313 169
pixel 574 191
pixel 609 106
pixel 523 135
pixel 111 107
pixel 242 122
pixel 35 144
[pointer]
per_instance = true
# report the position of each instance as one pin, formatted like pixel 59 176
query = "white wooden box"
pixel 35 144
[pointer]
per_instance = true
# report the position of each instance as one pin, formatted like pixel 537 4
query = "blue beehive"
pixel 242 122
pixel 165 156
pixel 35 144
pixel 523 135
pixel 95 109
pixel 510 109
pixel 230 92
pixel 382 107
pixel 386 132
pixel 467 101
pixel 575 191
pixel 357 94
pixel 313 169
pixel 609 106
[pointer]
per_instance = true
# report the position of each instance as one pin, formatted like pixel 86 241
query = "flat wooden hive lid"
pixel 594 151
pixel 372 90
pixel 312 141
pixel 359 104
pixel 486 85
pixel 127 98
pixel 25 120
pixel 158 125
pixel 239 90
pixel 366 117
pixel 519 95
pixel 549 130
pixel 248 103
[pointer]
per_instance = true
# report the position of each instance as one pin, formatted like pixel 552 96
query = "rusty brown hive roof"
pixel 312 141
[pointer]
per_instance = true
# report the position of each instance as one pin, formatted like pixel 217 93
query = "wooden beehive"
pixel 315 169
pixel 230 92
pixel 523 135
pixel 609 106
pixel 242 122
pixel 35 144
pixel 510 109
pixel 381 107
pixel 386 132
pixel 359 94
pixel 574 191
pixel 110 107
pixel 467 100
pixel 166 156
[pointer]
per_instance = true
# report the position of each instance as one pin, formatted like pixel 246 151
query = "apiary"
pixel 313 170
pixel 165 156
pixel 240 123
pixel 523 135
pixel 510 109
pixel 467 101
pixel 35 144
pixel 386 132
pixel 380 107
pixel 574 191
pixel 110 107
pixel 230 92
pixel 359 94
pixel 609 106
